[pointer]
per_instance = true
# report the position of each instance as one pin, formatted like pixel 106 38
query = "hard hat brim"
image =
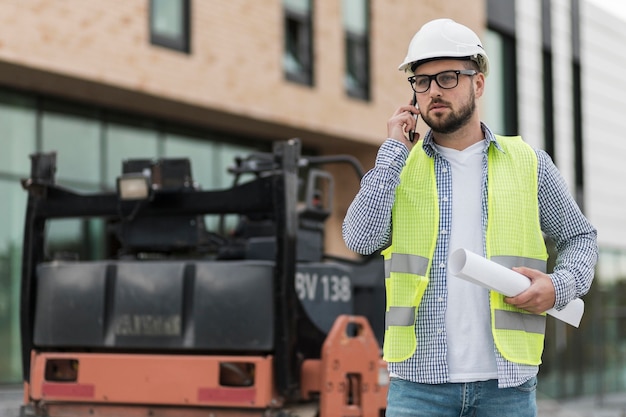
pixel 481 60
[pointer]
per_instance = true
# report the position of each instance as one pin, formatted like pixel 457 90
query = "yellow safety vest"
pixel 513 238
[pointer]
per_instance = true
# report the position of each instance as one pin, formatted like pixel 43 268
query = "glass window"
pixel 501 95
pixel 225 155
pixel 200 154
pixel 356 31
pixel 223 158
pixel 209 167
pixel 64 236
pixel 494 96
pixel 298 53
pixel 591 359
pixel 170 24
pixel 18 129
pixel 76 239
pixel 202 158
pixel 75 137
pixel 127 142
pixel 12 207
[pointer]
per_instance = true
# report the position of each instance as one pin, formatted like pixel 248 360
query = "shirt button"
pixel 444 232
pixel 396 149
pixel 439 331
pixel 444 169
pixel 440 299
pixel 442 265
pixel 445 199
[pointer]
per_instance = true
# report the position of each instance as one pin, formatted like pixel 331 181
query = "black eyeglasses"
pixel 444 79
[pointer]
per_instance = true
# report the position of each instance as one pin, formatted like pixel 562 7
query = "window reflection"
pixel 75 136
pixel 170 24
pixel 298 53
pixel 124 141
pixel 17 132
pixel 12 206
pixel 355 15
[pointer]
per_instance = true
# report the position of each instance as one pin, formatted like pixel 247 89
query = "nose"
pixel 434 89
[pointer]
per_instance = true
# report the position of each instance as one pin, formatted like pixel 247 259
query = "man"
pixel 453 347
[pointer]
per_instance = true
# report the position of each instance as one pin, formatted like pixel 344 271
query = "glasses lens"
pixel 421 83
pixel 447 79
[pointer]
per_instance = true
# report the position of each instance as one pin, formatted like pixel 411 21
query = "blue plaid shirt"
pixel 367 228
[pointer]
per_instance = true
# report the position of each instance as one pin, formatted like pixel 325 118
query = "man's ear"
pixel 479 86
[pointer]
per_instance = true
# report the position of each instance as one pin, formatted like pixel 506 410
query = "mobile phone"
pixel 412 132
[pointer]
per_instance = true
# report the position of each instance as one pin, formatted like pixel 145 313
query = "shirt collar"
pixel 429 146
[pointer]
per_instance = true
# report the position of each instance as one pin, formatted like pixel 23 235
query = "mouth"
pixel 437 108
pixel 437 105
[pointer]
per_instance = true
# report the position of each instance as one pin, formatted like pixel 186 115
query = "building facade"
pixel 99 82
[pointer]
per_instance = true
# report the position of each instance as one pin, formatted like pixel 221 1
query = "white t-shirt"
pixel 470 353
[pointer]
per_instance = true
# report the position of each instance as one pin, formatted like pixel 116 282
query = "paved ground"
pixel 10 400
pixel 613 405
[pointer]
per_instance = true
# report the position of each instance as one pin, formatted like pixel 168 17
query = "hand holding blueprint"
pixel 478 270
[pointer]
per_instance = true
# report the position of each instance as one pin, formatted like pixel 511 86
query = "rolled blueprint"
pixel 478 270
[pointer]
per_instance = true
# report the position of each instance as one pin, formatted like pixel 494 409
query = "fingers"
pixel 401 122
pixel 539 297
pixel 408 108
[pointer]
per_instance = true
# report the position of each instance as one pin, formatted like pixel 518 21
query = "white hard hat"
pixel 445 38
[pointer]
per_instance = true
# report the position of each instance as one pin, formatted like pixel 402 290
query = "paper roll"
pixel 478 270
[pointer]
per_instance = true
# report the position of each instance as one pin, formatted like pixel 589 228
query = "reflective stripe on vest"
pixel 513 261
pixel 400 316
pixel 512 320
pixel 405 263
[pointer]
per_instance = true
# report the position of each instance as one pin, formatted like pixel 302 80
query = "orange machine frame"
pixel 351 378
pixel 154 380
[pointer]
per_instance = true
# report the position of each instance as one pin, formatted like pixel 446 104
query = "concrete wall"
pixel 529 72
pixel 604 106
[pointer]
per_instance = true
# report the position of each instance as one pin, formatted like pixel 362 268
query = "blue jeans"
pixel 472 399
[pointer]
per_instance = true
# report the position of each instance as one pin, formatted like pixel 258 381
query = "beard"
pixel 453 121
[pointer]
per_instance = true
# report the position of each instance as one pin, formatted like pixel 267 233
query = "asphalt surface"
pixel 613 405
pixel 10 400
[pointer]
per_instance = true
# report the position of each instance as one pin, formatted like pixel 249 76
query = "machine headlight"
pixel 133 186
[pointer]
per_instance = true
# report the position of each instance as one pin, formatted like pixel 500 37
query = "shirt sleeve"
pixel 367 225
pixel 574 237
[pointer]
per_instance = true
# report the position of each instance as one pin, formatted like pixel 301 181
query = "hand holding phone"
pixel 412 131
